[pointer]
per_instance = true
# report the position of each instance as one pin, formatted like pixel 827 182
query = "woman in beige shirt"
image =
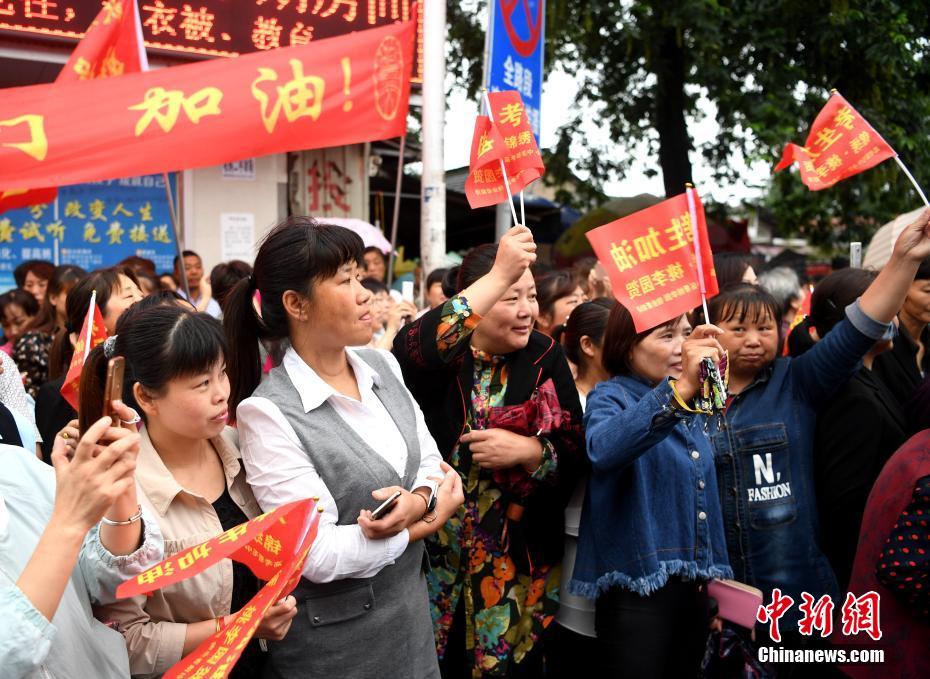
pixel 189 476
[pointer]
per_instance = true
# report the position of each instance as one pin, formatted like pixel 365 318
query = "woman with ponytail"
pixel 189 476
pixel 337 424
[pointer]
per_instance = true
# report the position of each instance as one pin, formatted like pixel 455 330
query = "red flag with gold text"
pixel 650 259
pixel 841 144
pixel 273 545
pixel 333 92
pixel 485 182
pixel 92 333
pixel 111 47
pixel 522 160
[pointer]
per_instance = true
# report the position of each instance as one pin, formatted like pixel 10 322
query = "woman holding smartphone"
pixel 189 476
pixel 338 424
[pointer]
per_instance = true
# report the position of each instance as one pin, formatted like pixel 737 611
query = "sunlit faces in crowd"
pixel 127 294
pixel 750 337
pixel 342 306
pixel 193 406
pixel 658 354
pixel 375 264
pixel 35 285
pixel 507 326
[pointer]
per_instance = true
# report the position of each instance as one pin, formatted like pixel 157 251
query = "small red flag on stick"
pixel 485 184
pixel 92 333
pixel 841 143
pixel 111 47
pixel 652 259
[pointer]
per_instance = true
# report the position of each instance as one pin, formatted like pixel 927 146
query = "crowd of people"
pixel 561 501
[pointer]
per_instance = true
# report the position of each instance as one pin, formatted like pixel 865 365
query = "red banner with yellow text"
pixel 274 546
pixel 650 258
pixel 841 144
pixel 344 90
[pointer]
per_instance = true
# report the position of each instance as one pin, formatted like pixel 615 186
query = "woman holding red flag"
pixel 763 442
pixel 500 400
pixel 189 476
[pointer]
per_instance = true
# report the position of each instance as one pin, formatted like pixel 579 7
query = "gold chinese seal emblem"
pixel 389 77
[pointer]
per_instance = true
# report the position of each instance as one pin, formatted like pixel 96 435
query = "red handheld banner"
pixel 271 546
pixel 649 257
pixel 344 90
pixel 841 144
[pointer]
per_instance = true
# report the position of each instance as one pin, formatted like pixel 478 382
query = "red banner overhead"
pixel 340 91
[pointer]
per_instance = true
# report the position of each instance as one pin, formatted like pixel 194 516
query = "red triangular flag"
pixel 485 182
pixel 841 144
pixel 92 333
pixel 523 161
pixel 650 259
pixel 111 47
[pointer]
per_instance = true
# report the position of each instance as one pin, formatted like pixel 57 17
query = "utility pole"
pixel 433 196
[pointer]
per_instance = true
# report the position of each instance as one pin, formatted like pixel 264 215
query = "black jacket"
pixel 857 431
pixel 898 368
pixel 443 388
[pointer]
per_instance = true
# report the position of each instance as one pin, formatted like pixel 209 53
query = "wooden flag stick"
pixel 522 210
pixel 513 210
pixel 907 173
pixel 695 237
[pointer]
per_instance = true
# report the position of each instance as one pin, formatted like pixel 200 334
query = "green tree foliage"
pixel 766 66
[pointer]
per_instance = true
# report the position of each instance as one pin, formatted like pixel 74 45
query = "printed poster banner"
pixel 650 259
pixel 516 39
pixel 344 90
pixel 841 144
pixel 98 224
pixel 273 545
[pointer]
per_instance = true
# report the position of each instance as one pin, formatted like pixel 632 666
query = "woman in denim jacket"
pixel 763 444
pixel 651 529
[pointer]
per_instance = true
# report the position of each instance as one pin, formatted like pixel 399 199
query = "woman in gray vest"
pixel 338 424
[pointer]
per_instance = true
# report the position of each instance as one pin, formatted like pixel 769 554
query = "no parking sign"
pixel 516 38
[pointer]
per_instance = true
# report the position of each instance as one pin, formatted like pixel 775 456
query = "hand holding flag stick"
pixel 702 284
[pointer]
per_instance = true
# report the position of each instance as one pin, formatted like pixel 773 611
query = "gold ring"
pixel 64 434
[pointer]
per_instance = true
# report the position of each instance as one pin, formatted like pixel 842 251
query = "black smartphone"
pixel 386 506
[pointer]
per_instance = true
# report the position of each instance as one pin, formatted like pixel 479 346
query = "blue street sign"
pixel 516 39
pixel 98 225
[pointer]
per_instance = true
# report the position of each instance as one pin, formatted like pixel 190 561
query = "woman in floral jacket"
pixel 500 401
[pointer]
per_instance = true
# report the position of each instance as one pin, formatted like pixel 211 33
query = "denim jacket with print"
pixel 651 509
pixel 763 450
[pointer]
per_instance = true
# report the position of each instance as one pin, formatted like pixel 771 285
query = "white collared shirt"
pixel 279 470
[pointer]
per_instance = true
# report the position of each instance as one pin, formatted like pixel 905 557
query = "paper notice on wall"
pixel 238 236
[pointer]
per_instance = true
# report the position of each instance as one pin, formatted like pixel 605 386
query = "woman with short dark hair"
pixel 500 400
pixel 651 531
